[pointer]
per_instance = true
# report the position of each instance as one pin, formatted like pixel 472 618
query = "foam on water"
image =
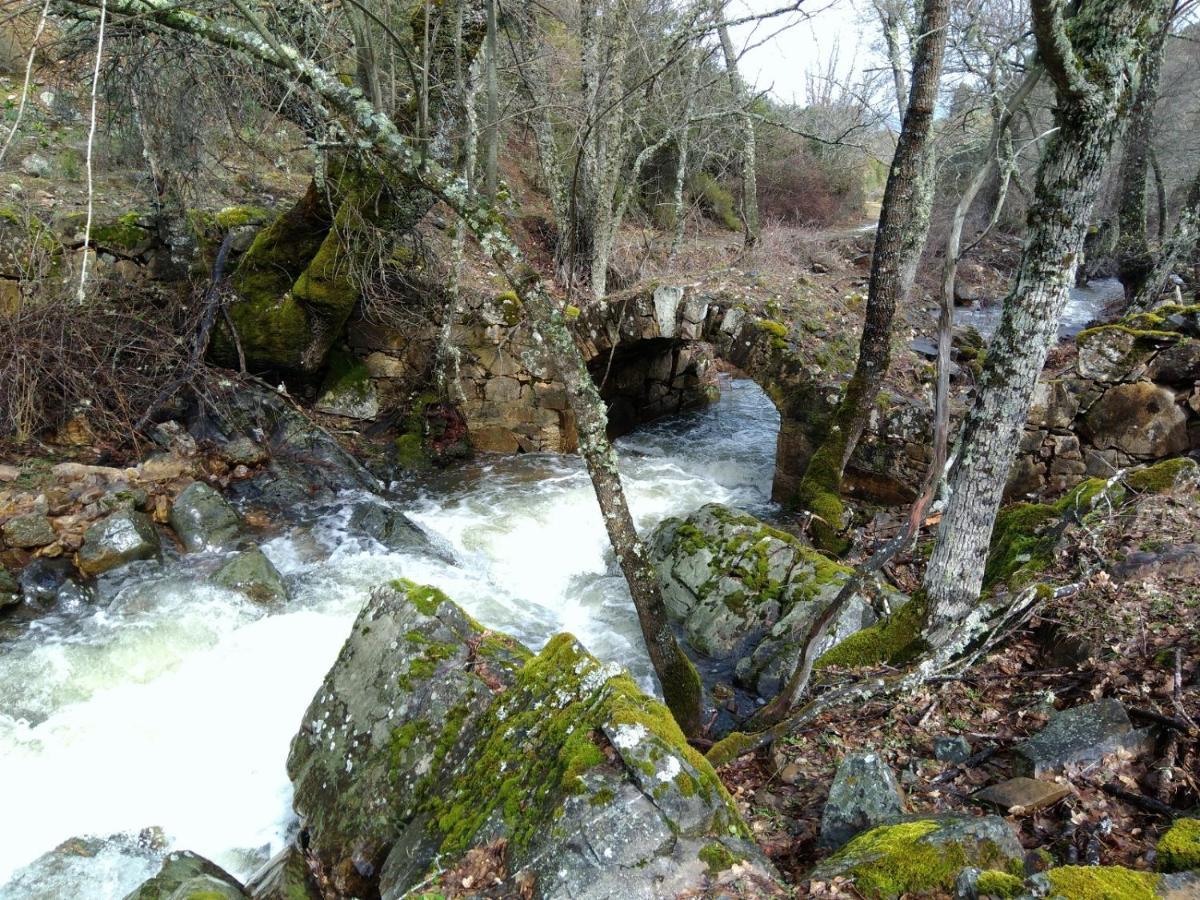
pixel 173 703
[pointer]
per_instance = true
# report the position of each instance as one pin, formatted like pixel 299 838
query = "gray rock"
pixel 951 748
pixel 28 531
pixel 284 877
pixel 186 874
pixel 747 592
pixel 306 465
pixel 865 793
pixel 358 400
pixel 983 842
pixel 242 451
pixel 125 498
pixel 253 574
pixel 36 166
pixel 1081 734
pixel 51 581
pixel 966 886
pixel 121 538
pixel 203 519
pixel 389 526
pixel 430 736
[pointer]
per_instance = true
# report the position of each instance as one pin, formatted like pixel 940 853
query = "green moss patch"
pixel 1179 848
pixel 993 883
pixel 1161 477
pixel 895 640
pixel 1103 883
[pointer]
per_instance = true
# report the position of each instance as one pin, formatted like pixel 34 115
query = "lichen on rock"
pixel 432 735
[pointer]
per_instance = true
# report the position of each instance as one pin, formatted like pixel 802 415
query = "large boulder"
pixel 305 465
pixel 1142 419
pixel 432 736
pixel 119 861
pixel 921 855
pixel 748 593
pixel 189 876
pixel 203 519
pixel 121 538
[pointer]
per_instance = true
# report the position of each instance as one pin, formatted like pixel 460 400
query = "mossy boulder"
pixel 120 538
pixel 252 574
pixel 432 735
pixel 189 876
pixel 1119 352
pixel 1179 848
pixel 922 855
pixel 203 519
pixel 748 592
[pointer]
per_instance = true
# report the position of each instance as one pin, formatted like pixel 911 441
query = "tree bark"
pixel 492 132
pixel 903 229
pixel 678 677
pixel 1135 258
pixel 749 152
pixel 891 21
pixel 1182 241
pixel 1092 70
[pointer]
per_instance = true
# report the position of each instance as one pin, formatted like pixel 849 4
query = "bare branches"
pixel 1056 51
pixel 37 36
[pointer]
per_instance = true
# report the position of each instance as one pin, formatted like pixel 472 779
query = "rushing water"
pixel 171 703
pixel 1085 305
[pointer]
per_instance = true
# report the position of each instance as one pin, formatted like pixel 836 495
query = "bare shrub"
pixel 106 362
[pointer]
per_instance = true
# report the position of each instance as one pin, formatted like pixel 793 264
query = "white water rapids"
pixel 171 703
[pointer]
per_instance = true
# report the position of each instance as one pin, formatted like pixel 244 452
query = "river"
pixel 170 704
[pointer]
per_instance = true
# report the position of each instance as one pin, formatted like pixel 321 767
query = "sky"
pixel 778 60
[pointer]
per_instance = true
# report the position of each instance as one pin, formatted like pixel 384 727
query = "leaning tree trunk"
pixel 749 153
pixel 1182 241
pixel 1092 69
pixel 1135 259
pixel 378 134
pixel 903 229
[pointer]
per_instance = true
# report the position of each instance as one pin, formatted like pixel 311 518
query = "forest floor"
pixel 1119 634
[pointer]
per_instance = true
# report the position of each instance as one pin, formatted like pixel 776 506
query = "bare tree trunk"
pixel 1092 70
pixel 492 132
pixel 678 677
pixel 535 81
pixel 1182 241
pixel 903 228
pixel 749 152
pixel 892 21
pixel 1135 259
pixel 1160 192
